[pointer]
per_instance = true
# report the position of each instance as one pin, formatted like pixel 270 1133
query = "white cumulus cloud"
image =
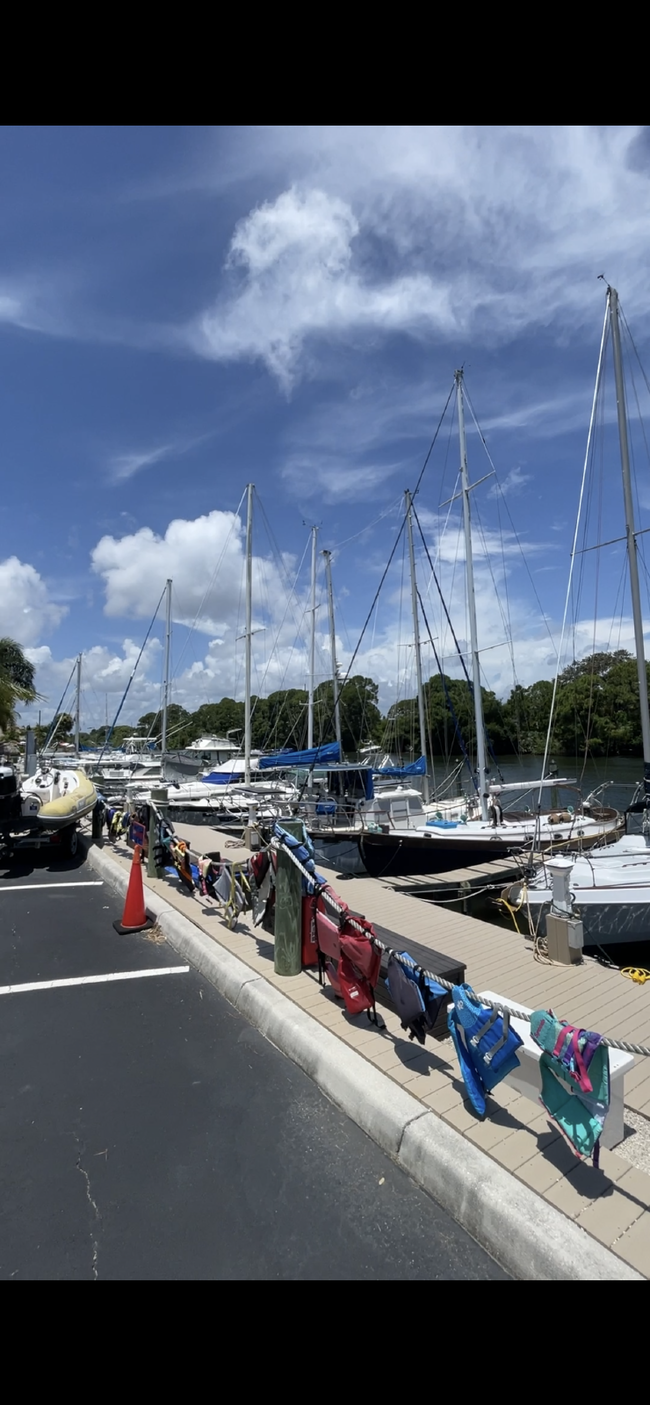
pixel 473 232
pixel 26 611
pixel 104 677
pixel 134 569
pixel 291 261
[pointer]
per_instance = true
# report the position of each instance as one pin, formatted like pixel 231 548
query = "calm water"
pixel 622 775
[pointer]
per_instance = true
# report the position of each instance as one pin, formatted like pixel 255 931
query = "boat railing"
pixel 353 816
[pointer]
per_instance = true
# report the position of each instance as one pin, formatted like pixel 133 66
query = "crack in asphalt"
pixel 94 1242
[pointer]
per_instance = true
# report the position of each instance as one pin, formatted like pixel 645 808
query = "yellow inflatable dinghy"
pixel 53 799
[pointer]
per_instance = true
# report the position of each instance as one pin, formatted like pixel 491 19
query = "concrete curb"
pixel 528 1237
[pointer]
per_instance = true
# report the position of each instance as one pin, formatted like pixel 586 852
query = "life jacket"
pixel 208 875
pixel 417 998
pixel 574 1067
pixel 259 865
pixel 356 990
pixel 328 932
pixel 575 1048
pixel 302 849
pixel 485 1043
pixel 162 845
pixel 180 855
pixel 264 907
pixel 362 953
pixel 358 971
pixel 119 823
pixel 348 958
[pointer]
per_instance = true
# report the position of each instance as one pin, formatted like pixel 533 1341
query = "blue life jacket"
pixel 485 1043
pixel 304 852
pixel 417 997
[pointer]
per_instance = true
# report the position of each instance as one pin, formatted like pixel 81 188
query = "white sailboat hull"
pixel 610 891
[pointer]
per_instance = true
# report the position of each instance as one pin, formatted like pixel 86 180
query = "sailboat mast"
pixel 631 537
pixel 77 706
pixel 335 671
pixel 312 644
pixel 416 640
pixel 168 636
pixel 249 634
pixel 471 601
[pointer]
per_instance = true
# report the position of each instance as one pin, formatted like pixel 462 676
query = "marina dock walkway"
pixel 613 1204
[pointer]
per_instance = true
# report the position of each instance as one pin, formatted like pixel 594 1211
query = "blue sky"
pixel 184 310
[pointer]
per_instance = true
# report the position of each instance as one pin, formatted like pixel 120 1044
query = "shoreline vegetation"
pixel 596 714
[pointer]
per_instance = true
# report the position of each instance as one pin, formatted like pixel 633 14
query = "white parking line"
pixel 94 980
pixel 34 887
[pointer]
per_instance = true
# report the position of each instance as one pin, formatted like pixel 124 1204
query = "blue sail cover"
pixel 224 778
pixel 416 768
pixel 314 756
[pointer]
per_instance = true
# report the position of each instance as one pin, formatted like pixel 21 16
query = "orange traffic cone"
pixel 135 917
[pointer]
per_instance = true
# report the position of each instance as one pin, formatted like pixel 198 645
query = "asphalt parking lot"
pixel 149 1132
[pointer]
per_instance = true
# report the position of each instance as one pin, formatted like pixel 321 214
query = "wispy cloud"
pixel 326 477
pixel 125 465
pixel 437 232
pixel 23 305
pixel 292 261
pixel 470 235
pixel 352 444
pixel 512 483
pixel 48 300
pixel 11 309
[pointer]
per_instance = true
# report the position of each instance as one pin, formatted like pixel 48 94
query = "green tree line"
pixel 596 713
pixel 277 721
pixel 16 684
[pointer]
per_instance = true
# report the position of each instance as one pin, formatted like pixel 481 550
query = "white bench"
pixel 527 1078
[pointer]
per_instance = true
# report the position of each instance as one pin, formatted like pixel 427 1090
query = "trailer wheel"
pixel 70 841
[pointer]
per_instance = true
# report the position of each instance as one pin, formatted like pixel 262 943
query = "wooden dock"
pixel 589 995
pixel 487 877
pixel 612 1204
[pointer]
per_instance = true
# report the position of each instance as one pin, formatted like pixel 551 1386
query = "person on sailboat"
pixel 495 808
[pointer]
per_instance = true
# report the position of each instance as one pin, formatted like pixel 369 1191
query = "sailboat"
pixel 609 890
pixel 140 764
pixel 448 840
pixel 339 799
pixel 236 791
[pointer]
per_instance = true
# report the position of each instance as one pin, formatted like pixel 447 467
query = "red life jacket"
pixel 358 961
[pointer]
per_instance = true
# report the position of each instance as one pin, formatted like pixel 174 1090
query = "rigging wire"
pixel 592 670
pixel 448 700
pixel 133 673
pixel 298 638
pixel 469 681
pixel 505 586
pixel 386 568
pixel 512 525
pixel 59 711
pixel 640 545
pixel 573 555
pixel 394 506
pixel 234 522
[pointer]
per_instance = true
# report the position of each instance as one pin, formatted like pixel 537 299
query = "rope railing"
pixel 625 1045
pixel 341 909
